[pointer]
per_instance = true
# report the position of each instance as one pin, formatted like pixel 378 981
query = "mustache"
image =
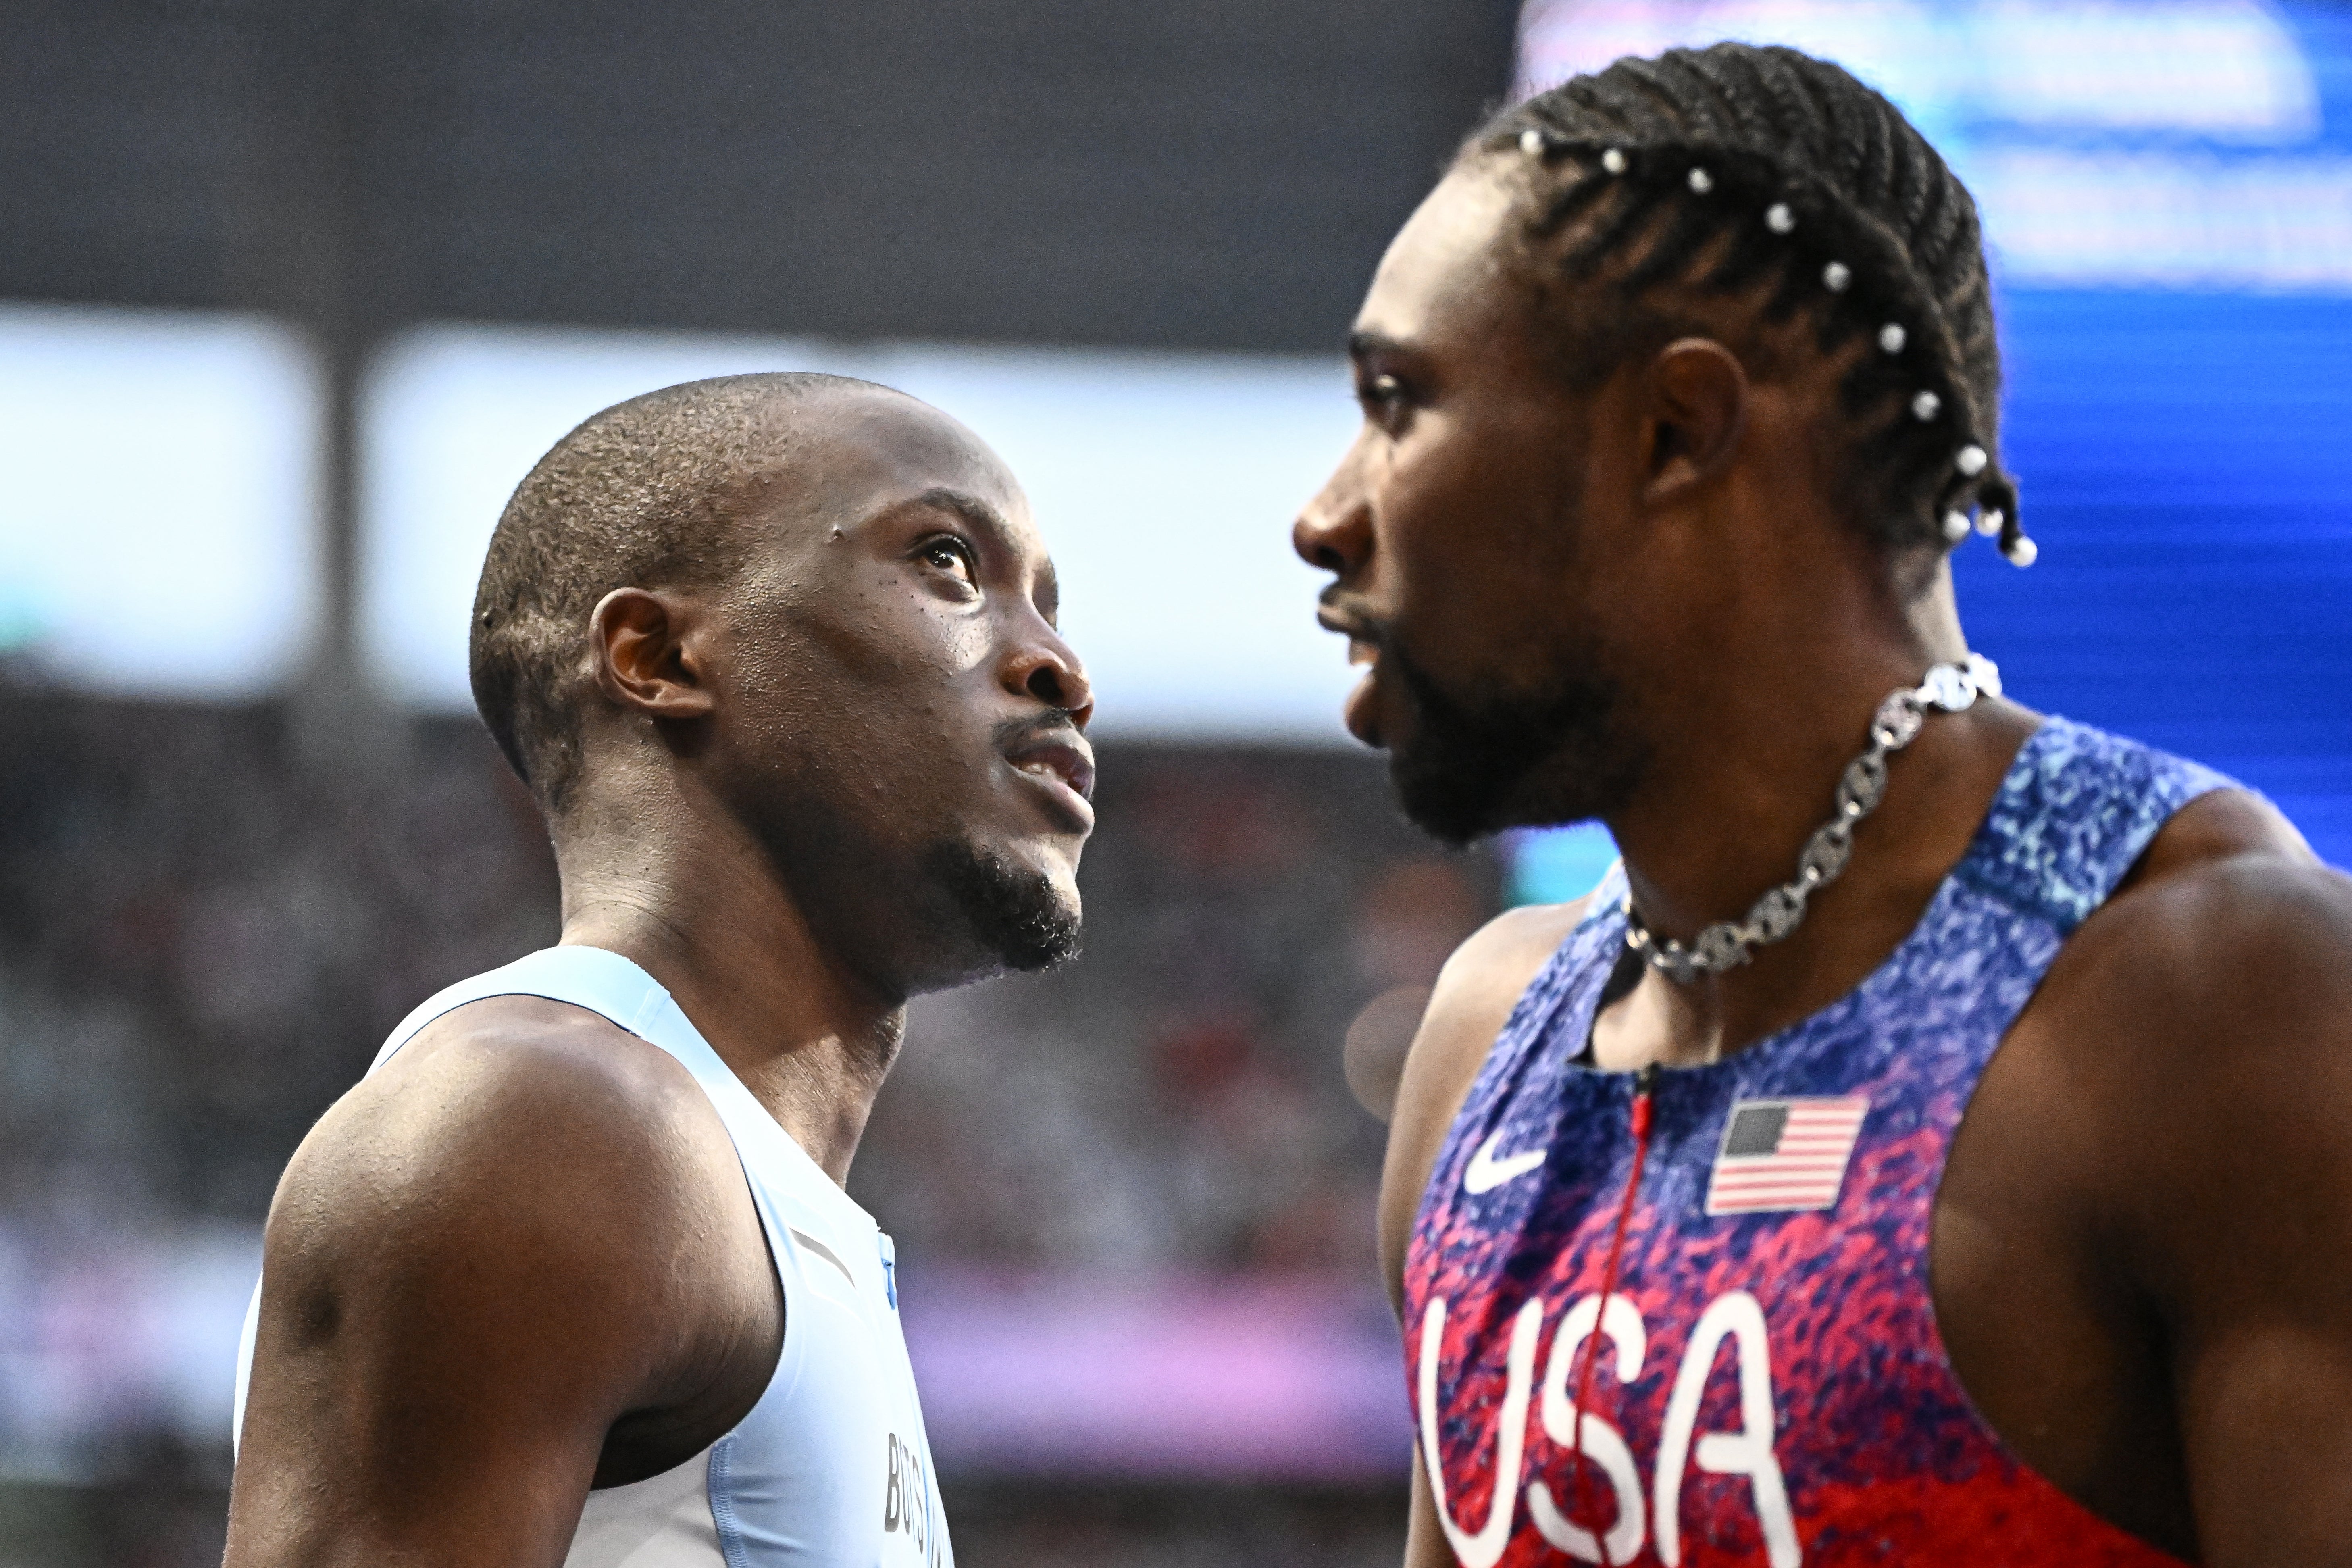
pixel 1057 726
pixel 1334 612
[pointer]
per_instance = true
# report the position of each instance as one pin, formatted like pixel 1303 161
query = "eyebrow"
pixel 967 506
pixel 987 520
pixel 1364 345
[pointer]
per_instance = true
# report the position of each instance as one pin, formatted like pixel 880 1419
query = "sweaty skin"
pixel 521 1261
pixel 2142 1248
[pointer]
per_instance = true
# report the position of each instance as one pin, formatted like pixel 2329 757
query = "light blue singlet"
pixel 832 1467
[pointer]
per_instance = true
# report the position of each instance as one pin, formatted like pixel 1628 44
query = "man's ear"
pixel 1698 411
pixel 646 660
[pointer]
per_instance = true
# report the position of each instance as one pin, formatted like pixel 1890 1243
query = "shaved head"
pixel 814 618
pixel 646 494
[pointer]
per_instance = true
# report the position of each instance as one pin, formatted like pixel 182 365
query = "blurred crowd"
pixel 204 934
pixel 1176 1097
pixel 206 931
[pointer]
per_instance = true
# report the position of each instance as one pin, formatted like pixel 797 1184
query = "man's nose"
pixel 1334 532
pixel 1050 671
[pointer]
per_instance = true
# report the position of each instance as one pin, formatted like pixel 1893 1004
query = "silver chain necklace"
pixel 1950 688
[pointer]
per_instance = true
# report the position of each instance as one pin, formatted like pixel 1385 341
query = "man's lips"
pixel 1064 764
pixel 1364 641
pixel 1360 712
pixel 1346 626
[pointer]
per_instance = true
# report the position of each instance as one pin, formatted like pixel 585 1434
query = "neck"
pixel 691 899
pixel 1744 768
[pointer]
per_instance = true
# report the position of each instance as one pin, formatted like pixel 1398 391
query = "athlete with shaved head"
pixel 570 1278
pixel 1933 1143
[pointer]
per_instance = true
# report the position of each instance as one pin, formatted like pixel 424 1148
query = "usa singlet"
pixel 1768 1386
pixel 832 1467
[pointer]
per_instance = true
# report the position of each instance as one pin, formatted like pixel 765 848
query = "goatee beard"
pixel 1510 760
pixel 1017 916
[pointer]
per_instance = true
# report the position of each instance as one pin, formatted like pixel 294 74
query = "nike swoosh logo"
pixel 1486 1173
pixel 812 1244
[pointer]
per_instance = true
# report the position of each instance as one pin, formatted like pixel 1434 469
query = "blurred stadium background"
pixel 290 295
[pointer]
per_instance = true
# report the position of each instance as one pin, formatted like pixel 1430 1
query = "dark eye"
pixel 1383 397
pixel 951 555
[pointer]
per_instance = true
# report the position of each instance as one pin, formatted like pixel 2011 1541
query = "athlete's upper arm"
pixel 1424 1538
pixel 472 1267
pixel 2224 1105
pixel 1468 1007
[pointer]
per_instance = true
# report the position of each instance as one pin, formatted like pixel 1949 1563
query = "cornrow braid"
pixel 1740 168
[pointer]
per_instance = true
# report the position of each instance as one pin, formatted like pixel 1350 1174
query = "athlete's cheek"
pixel 966 643
pixel 905 646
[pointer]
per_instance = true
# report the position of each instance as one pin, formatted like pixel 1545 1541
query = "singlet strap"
pixel 603 983
pixel 2076 811
pixel 1578 964
pixel 614 988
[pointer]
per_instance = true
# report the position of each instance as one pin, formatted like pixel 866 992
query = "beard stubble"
pixel 1474 765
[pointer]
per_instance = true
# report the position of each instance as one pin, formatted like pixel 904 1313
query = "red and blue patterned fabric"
pixel 1769 1386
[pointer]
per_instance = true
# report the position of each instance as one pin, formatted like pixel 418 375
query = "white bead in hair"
pixel 1892 337
pixel 1836 276
pixel 1701 180
pixel 1924 407
pixel 1971 460
pixel 1613 160
pixel 1531 142
pixel 1956 526
pixel 1779 218
pixel 1991 520
pixel 2022 552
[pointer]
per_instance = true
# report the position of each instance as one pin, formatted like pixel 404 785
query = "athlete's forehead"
pixel 869 456
pixel 1443 276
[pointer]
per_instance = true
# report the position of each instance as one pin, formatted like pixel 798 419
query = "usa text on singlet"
pixel 1769 1385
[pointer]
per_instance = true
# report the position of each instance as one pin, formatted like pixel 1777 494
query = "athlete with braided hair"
pixel 1933 1143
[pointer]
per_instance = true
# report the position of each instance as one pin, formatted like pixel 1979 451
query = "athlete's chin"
pixel 1362 712
pixel 1443 788
pixel 1015 907
pixel 1443 792
pixel 1449 805
pixel 1048 862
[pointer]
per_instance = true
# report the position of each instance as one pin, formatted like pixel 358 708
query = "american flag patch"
pixel 1780 1156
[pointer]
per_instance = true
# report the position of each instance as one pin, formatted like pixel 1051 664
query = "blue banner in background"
pixel 2166 190
pixel 2186 462
pixel 2187 471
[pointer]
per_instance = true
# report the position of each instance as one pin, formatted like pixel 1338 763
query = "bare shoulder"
pixel 521 1161
pixel 2229 920
pixel 1472 1001
pixel 517 1261
pixel 2200 1022
pixel 495 1107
